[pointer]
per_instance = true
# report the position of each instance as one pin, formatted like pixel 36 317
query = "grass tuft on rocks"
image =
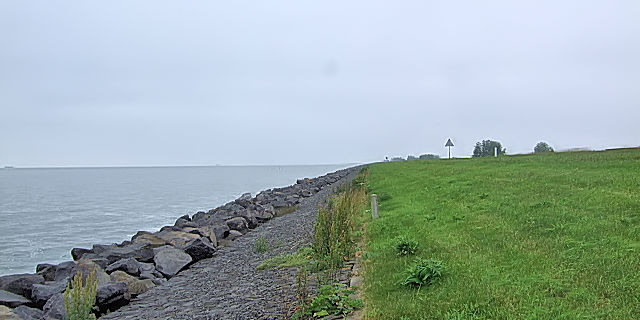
pixel 80 296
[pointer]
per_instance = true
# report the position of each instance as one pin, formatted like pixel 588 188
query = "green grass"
pixel 302 257
pixel 550 236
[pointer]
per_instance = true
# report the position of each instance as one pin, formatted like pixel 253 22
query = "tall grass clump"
pixel 79 297
pixel 334 228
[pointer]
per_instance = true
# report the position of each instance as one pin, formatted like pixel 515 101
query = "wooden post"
pixel 374 206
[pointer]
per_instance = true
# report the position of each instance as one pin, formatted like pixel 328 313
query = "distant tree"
pixel 410 157
pixel 397 159
pixel 486 148
pixel 542 147
pixel 429 156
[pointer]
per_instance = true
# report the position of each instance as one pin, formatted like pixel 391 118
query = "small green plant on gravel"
pixel 405 246
pixel 79 297
pixel 261 245
pixel 301 258
pixel 423 272
pixel 332 299
pixel 285 210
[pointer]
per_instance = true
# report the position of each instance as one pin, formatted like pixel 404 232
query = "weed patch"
pixel 405 246
pixel 423 272
pixel 261 245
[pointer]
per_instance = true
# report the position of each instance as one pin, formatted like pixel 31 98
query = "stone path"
pixel 228 286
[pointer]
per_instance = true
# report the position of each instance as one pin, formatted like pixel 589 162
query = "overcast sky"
pixel 89 83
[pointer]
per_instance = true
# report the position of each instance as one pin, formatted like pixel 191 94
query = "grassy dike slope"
pixel 551 236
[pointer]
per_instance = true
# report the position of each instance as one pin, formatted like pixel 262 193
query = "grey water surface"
pixel 46 212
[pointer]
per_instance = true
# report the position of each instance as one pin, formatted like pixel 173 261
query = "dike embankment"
pixel 202 267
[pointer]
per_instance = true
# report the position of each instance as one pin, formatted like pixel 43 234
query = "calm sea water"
pixel 46 212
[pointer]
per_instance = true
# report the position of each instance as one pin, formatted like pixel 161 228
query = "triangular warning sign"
pixel 449 143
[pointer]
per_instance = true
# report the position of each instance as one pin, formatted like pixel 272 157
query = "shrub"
pixel 423 272
pixel 542 147
pixel 79 298
pixel 486 148
pixel 405 246
pixel 331 300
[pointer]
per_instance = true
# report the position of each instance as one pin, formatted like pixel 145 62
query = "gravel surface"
pixel 228 286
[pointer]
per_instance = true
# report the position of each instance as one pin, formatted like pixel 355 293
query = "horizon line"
pixel 175 166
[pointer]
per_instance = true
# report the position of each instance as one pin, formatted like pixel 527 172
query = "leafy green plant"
pixel 423 272
pixel 405 246
pixel 332 299
pixel 79 297
pixel 261 245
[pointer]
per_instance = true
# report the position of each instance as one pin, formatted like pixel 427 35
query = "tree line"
pixel 484 148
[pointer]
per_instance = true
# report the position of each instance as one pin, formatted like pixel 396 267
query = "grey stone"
pixel 199 249
pixel 77 253
pixel 177 238
pixel 54 308
pixel 244 200
pixel 135 286
pixel 12 300
pixel 27 313
pixel 86 266
pixel 140 251
pixel 170 260
pixel 221 230
pixel 149 238
pixel 112 296
pixel 233 234
pixel 238 223
pixel 7 313
pixel 20 283
pixel 42 292
pixel 128 265
pixel 64 270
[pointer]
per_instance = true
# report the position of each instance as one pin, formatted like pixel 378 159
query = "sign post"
pixel 449 144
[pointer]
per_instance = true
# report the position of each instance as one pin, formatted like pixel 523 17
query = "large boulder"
pixel 8 314
pixel 238 223
pixel 77 253
pixel 112 296
pixel 199 249
pixel 54 308
pixel 244 200
pixel 12 300
pixel 177 238
pixel 185 222
pixel 64 270
pixel 265 212
pixel 129 265
pixel 135 285
pixel 41 293
pixel 86 266
pixel 20 283
pixel 234 234
pixel 170 260
pixel 148 238
pixel 47 271
pixel 26 313
pixel 140 251
pixel 204 231
pixel 221 229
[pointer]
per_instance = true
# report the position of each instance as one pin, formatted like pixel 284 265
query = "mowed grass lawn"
pixel 551 236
